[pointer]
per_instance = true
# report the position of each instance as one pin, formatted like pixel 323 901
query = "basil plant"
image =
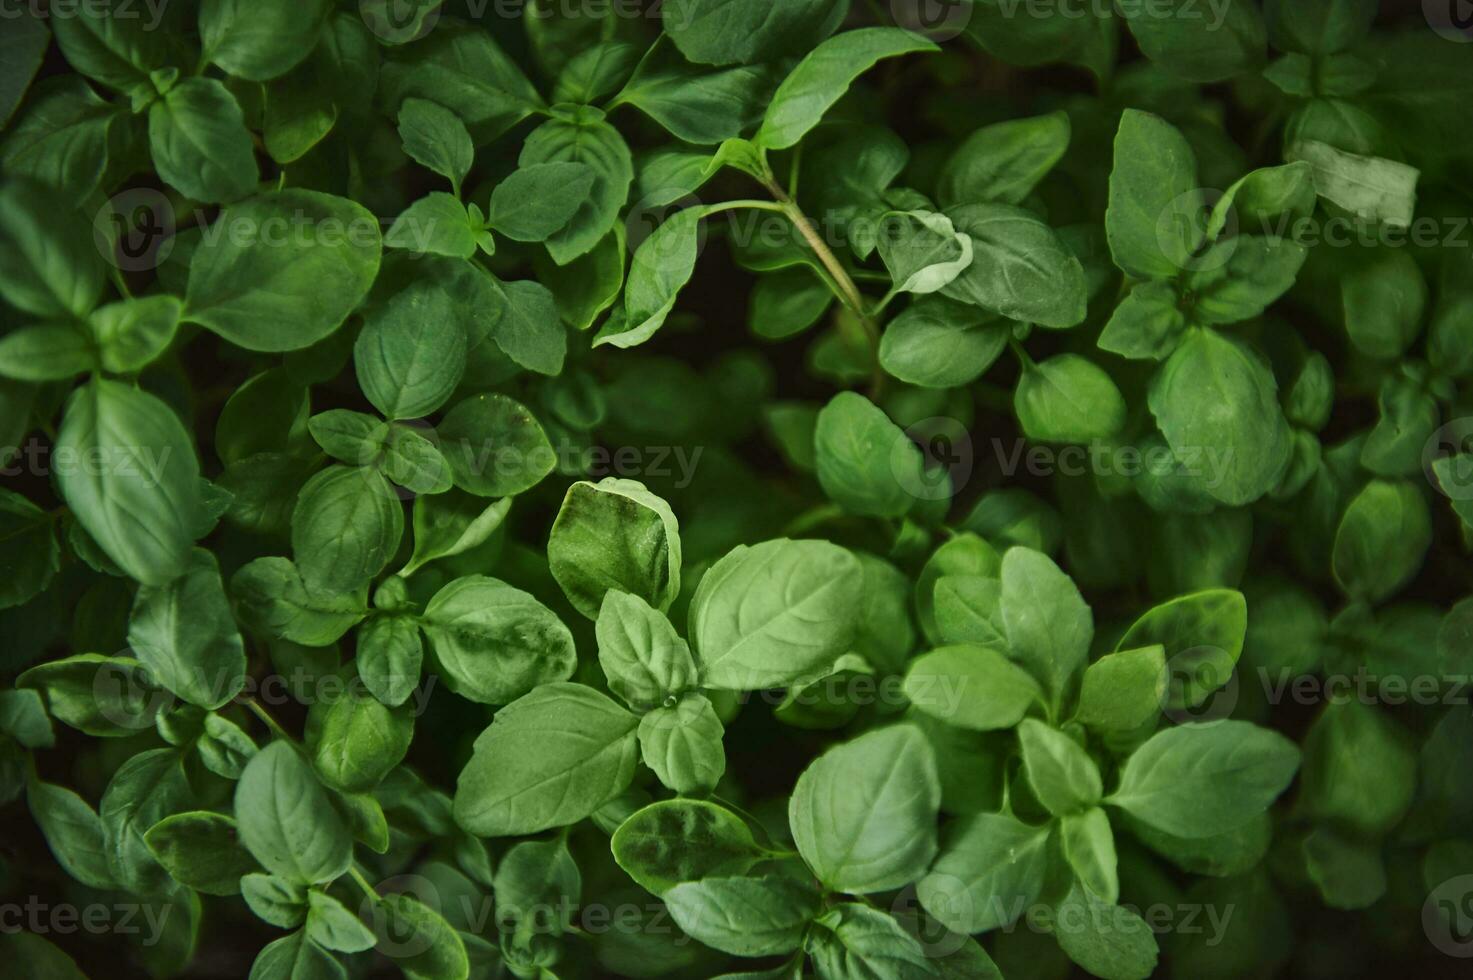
pixel 765 489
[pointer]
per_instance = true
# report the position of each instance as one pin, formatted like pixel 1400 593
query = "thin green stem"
pixel 1022 355
pixel 885 301
pixel 755 205
pixel 266 719
pixel 362 882
pixel 846 290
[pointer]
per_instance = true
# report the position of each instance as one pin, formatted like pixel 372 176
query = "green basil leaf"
pixel 332 926
pixel 718 32
pixel 1003 162
pixel 345 528
pixel 436 224
pixel 1195 44
pixel 495 447
pixel 744 916
pixel 1108 940
pixel 259 41
pixel 866 463
pixel 200 851
pixel 1382 540
pixel 494 643
pixel 971 687
pixel 675 841
pixel 990 869
pixel 580 135
pixel 287 821
pixel 435 138
pixel 776 612
pixel 49 265
pixel 1205 779
pixel 1068 399
pixel 851 939
pixel 615 534
pixel 1020 268
pixel 354 740
pixel 682 744
pixel 200 143
pixel 940 343
pixel 1370 187
pixel 1063 776
pixel 73 831
pixel 1123 690
pixel 276 600
pixel 537 201
pixel 1154 198
pixel 824 75
pixel 133 333
pixel 142 504
pixel 183 632
pixel 283 270
pixel 1239 448
pixel 863 814
pixel 410 354
pixel 551 758
pixel 643 658
pixel 47 353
